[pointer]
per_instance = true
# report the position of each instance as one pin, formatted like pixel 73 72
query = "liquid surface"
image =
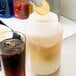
pixel 11 46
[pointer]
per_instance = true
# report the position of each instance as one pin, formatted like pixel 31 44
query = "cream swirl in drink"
pixel 44 37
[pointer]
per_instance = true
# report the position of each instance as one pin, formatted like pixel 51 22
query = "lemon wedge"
pixel 43 9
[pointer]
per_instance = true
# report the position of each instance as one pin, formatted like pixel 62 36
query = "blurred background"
pixel 66 8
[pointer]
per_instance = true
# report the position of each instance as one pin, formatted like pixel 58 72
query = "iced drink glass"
pixel 12 51
pixel 44 38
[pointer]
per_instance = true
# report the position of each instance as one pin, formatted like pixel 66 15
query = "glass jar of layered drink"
pixel 44 38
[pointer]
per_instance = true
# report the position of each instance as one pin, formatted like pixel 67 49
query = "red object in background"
pixel 21 9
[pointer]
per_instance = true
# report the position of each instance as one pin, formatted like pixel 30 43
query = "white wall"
pixel 68 8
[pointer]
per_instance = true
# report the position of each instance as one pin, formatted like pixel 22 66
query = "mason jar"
pixel 44 39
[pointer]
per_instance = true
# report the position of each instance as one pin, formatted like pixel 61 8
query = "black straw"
pixel 2 23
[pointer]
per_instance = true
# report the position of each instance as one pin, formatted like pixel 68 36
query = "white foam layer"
pixel 44 29
pixel 43 26
pixel 50 16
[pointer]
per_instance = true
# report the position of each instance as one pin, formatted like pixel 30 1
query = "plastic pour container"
pixel 44 38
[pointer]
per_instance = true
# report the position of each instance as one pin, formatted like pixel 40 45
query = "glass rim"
pixel 7 39
pixel 22 35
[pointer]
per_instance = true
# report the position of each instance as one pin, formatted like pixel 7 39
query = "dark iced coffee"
pixel 13 57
